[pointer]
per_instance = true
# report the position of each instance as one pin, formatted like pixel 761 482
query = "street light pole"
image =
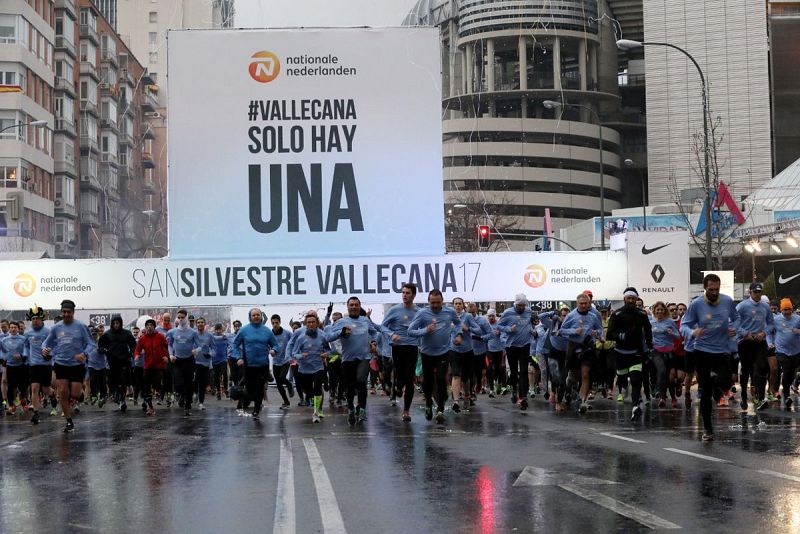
pixel 629 163
pixel 552 104
pixel 21 124
pixel 627 44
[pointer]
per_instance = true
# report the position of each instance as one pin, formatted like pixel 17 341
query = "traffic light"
pixel 484 236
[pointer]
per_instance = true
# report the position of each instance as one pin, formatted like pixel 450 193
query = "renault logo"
pixel 657 273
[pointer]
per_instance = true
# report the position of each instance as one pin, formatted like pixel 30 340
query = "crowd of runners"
pixel 451 354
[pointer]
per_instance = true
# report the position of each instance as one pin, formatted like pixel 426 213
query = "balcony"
pixel 125 139
pixel 66 251
pixel 64 45
pixel 126 77
pixel 147 160
pixel 69 7
pixel 147 131
pixel 109 157
pixel 66 127
pixel 88 69
pixel 87 32
pixel 64 210
pixel 109 56
pixel 149 102
pixel 63 166
pixel 89 217
pixel 89 254
pixel 89 180
pixel 571 80
pixel 89 142
pixel 126 107
pixel 87 106
pixel 630 80
pixel 108 124
pixel 62 84
pixel 148 188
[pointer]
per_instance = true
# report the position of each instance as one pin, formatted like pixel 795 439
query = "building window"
pixel 153 57
pixel 153 17
pixel 151 37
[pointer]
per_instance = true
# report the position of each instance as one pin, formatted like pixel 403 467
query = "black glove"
pixel 330 308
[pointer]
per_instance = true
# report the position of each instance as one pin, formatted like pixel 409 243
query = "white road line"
pixel 695 455
pixel 332 522
pixel 284 522
pixel 640 516
pixel 623 438
pixel 779 475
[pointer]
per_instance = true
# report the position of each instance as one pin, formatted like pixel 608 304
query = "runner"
pixel 786 341
pixel 516 324
pixel 629 327
pixel 404 347
pixel 117 345
pixel 234 374
pixel 183 345
pixel 335 376
pixel 495 344
pixel 461 354
pixel 280 362
pixel 755 323
pixel 256 343
pixel 582 327
pixel 167 392
pixel 137 376
pixel 557 356
pixel 478 379
pixel 355 331
pixel 203 361
pixel 15 359
pixel 68 342
pixel 41 368
pixel 219 362
pixel 709 318
pixel 97 368
pixel 433 326
pixel 155 347
pixel 310 351
pixel 665 335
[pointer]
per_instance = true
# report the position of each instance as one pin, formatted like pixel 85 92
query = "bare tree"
pixel 461 223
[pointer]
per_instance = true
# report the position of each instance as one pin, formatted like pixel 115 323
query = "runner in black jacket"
pixel 118 345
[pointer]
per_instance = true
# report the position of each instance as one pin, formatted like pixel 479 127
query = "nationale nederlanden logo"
pixel 535 276
pixel 264 67
pixel 25 285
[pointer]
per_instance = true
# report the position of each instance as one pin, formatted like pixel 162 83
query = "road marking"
pixel 640 516
pixel 779 475
pixel 623 438
pixel 536 476
pixel 284 504
pixel 332 522
pixel 695 455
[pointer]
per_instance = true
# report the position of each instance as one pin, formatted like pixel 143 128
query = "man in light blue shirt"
pixel 756 322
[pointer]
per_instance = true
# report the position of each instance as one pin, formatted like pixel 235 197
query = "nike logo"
pixel 647 251
pixel 782 280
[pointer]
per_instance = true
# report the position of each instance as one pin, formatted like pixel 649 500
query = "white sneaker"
pixel 201 407
pixel 315 418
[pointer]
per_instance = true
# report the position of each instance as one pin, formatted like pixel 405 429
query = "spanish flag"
pixel 10 89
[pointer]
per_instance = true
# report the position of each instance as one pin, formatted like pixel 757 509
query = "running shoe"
pixel 35 418
pixel 514 397
pixel 362 415
pixel 123 408
pixel 187 413
pixel 636 413
pixel 620 397
pixel 584 407
pixel 674 403
pixel 53 412
pixel 150 412
pixel 763 405
pixel 723 402
pixel 771 397
pixel 504 390
pixel 256 415
pixel 662 403
pixel 523 405
pixel 560 406
pixel 285 406
pixel 406 417
pixel 70 426
pixel 590 397
pixel 708 437
pixel 743 405
pixel 290 388
pixel 456 407
pixel 351 417
pixel 315 418
pixel 201 407
pixel 491 394
pixel 393 402
pixel 787 403
pixel 429 413
pixel 440 417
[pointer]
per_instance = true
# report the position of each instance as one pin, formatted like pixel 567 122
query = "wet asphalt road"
pixel 495 469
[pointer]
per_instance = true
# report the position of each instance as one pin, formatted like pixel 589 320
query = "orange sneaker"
pixel 723 402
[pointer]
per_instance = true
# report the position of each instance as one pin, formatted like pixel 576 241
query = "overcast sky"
pixel 282 13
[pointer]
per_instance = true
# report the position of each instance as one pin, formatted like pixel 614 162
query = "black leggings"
pixel 281 372
pixel 557 369
pixel 518 358
pixel 255 379
pixel 387 381
pixel 708 363
pixel 496 371
pixel 220 377
pixel 184 374
pixel 629 367
pixel 788 368
pixel 17 379
pixel 97 383
pixel 138 382
pixel 752 355
pixel 405 366
pixel 234 372
pixel 152 383
pixel 336 379
pixel 201 373
pixel 658 363
pixel 119 378
pixel 312 383
pixel 434 371
pixel 355 379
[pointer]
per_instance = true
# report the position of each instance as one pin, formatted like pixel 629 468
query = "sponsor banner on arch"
pixel 481 277
pixel 293 142
pixel 658 265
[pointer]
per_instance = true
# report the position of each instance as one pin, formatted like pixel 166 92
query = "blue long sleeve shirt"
pixel 785 340
pixel 478 343
pixel 664 333
pixel 542 332
pixel 254 341
pixel 94 359
pixel 520 336
pixel 553 322
pixel 282 356
pixel 466 345
pixel 206 348
pixel 396 321
pixel 754 317
pixel 437 342
pixel 714 319
pixel 33 345
pixel 308 350
pixel 355 346
pixel 12 350
pixel 495 339
pixel 233 350
pixel 221 348
pixel 182 340
pixel 67 341
pixel 585 322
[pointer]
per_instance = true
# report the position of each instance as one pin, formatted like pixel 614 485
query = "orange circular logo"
pixel 535 275
pixel 265 66
pixel 25 285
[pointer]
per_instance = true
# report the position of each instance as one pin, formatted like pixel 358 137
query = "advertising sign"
pixel 658 265
pixel 305 142
pixel 481 277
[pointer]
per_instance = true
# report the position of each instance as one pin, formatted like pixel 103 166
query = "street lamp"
pixel 552 104
pixel 20 124
pixel 629 163
pixel 792 241
pixel 627 44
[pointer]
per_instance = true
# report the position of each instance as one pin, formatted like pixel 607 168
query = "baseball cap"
pixel 756 286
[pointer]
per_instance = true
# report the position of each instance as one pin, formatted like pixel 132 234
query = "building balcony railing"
pixel 147 131
pixel 69 7
pixel 87 32
pixel 88 69
pixel 65 210
pixel 87 106
pixel 109 56
pixel 109 157
pixel 148 187
pixel 92 218
pixel 571 80
pixel 89 142
pixel 124 172
pixel 63 44
pixel 108 124
pixel 90 180
pixel 147 160
pixel 65 126
pixel 63 166
pixel 631 80
pixel 124 138
pixel 149 102
pixel 62 84
pixel 126 77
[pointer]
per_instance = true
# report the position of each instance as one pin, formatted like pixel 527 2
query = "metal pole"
pixel 602 188
pixel 644 202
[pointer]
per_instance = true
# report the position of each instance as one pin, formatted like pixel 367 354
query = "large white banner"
pixel 107 284
pixel 293 143
pixel 658 265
